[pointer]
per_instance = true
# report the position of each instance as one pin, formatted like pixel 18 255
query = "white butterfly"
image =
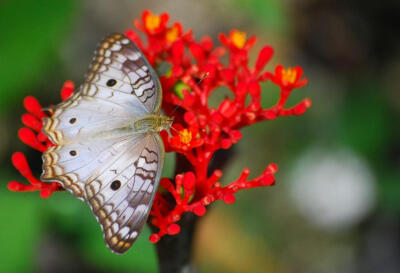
pixel 108 152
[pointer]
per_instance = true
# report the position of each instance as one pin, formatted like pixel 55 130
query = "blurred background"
pixel 336 204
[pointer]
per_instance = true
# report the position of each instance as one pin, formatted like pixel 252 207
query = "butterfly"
pixel 107 150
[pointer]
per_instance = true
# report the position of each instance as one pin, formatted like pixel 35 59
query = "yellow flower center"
pixel 152 21
pixel 185 136
pixel 238 38
pixel 172 34
pixel 289 75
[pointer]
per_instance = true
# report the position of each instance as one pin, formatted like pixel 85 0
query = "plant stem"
pixel 175 252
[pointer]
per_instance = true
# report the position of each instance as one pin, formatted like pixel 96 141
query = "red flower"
pixel 173 33
pixel 199 130
pixel 182 138
pixel 151 23
pixel 237 40
pixel 289 78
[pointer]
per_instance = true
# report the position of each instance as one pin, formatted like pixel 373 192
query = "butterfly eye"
pixel 72 120
pixel 115 185
pixel 111 82
pixel 72 153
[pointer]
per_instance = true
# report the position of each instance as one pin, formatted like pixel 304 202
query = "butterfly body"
pixel 107 149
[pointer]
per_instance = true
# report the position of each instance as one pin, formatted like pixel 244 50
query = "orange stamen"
pixel 172 34
pixel 185 136
pixel 238 38
pixel 152 21
pixel 289 75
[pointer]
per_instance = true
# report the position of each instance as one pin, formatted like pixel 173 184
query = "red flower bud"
pixel 199 210
pixel 174 229
pixel 263 57
pixel 67 90
pixel 32 105
pixel 229 198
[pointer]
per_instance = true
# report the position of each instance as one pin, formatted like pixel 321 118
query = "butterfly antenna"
pixel 198 84
pixel 202 78
pixel 174 129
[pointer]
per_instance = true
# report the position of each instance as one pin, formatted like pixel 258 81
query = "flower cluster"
pixel 196 70
pixel 33 136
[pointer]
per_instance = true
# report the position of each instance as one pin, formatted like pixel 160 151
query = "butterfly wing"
pixel 121 196
pixel 74 164
pixel 119 67
pixel 96 144
pixel 82 117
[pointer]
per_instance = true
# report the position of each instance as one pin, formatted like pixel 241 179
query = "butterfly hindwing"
pixel 74 164
pixel 121 196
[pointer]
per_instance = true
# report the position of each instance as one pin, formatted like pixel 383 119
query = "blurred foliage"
pixel 30 31
pixel 65 212
pixel 20 227
pixel 271 14
pixel 365 120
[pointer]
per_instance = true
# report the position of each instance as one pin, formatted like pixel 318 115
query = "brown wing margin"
pixel 143 79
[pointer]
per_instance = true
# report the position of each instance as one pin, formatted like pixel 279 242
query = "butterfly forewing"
pixel 120 70
pixel 98 156
pixel 82 117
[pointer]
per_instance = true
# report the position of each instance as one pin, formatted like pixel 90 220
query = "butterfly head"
pixel 153 123
pixel 165 122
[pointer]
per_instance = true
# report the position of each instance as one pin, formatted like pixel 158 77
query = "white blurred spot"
pixel 333 189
